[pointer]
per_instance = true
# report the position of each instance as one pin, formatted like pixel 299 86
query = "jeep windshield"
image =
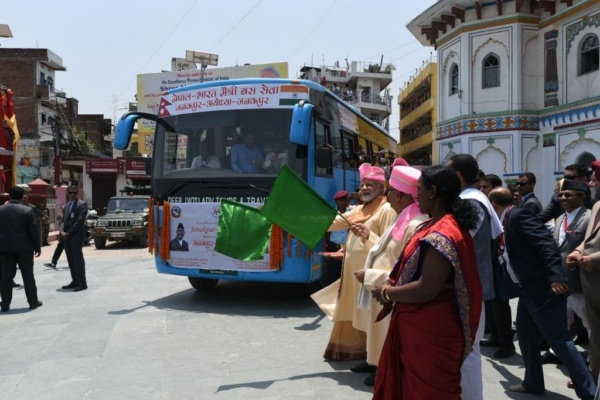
pixel 127 205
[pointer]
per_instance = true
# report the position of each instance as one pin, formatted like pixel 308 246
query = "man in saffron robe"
pixel 346 342
pixel 384 252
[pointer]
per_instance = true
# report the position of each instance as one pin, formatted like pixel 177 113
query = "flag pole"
pixel 348 222
pixel 344 218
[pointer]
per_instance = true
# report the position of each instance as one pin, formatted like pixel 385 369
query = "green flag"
pixel 243 232
pixel 297 208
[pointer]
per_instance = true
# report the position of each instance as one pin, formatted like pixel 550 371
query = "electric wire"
pixel 236 25
pixel 313 29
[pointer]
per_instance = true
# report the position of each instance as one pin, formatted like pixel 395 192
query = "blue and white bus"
pixel 226 140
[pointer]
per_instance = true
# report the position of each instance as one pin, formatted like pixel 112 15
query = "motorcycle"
pixel 90 224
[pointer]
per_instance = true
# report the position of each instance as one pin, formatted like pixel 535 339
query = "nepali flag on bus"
pixel 298 209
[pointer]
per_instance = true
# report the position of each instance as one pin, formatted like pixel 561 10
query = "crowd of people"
pixel 433 257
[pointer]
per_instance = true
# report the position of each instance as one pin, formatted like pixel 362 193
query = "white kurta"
pixel 383 256
pixel 344 307
pixel 355 255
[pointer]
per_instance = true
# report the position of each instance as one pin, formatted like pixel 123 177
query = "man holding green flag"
pixel 339 299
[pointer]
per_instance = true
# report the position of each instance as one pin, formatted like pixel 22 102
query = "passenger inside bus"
pixel 275 158
pixel 247 157
pixel 205 159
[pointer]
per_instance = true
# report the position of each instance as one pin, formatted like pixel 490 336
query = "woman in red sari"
pixel 435 294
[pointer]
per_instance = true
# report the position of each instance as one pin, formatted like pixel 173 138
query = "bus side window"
pixel 323 154
pixel 338 150
pixel 349 155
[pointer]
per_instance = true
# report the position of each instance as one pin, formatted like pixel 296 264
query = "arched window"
pixel 589 56
pixel 491 72
pixel 453 79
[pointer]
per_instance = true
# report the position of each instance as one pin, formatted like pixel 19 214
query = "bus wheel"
pixel 203 283
pixel 99 242
pixel 144 239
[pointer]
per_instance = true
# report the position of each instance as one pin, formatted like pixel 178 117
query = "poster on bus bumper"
pixel 193 237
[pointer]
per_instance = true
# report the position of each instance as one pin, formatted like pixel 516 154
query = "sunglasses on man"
pixel 522 183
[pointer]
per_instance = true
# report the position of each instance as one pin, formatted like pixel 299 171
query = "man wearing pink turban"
pixel 338 300
pixel 383 255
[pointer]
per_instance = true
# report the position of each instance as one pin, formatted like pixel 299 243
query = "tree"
pixel 76 144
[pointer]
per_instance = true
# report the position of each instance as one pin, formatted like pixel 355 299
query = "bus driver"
pixel 204 159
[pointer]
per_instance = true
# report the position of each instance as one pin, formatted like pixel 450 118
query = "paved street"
pixel 135 334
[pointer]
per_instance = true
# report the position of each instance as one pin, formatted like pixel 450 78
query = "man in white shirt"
pixel 205 160
pixel 275 159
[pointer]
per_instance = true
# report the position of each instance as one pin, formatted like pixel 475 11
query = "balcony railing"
pixel 368 98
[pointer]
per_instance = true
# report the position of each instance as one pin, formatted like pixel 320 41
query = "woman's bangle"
pixel 384 294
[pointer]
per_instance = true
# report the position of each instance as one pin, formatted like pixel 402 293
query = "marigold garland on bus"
pixel 151 225
pixel 276 247
pixel 166 231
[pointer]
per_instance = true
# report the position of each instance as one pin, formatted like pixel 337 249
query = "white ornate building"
pixel 518 84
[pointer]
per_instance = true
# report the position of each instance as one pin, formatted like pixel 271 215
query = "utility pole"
pixel 55 126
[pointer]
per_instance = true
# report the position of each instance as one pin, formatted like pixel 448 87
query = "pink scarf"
pixel 403 220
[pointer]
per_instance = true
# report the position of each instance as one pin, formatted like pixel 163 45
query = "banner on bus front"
pixel 193 237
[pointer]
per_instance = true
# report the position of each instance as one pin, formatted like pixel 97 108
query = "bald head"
pixel 501 196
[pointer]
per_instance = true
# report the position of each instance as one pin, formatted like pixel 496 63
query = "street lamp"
pixel 205 59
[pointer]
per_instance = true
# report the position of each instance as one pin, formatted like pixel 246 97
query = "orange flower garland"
pixel 276 247
pixel 151 225
pixel 166 231
pixel 299 249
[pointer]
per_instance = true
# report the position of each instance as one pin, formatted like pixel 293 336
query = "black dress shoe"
pixel 5 309
pixel 370 380
pixel 549 358
pixel 71 285
pixel 504 353
pixel 35 305
pixel 489 343
pixel 15 284
pixel 363 367
pixel 79 288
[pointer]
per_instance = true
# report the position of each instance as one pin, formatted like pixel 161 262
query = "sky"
pixel 104 45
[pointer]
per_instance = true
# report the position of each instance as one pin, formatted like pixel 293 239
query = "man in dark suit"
pixel 525 187
pixel 178 244
pixel 569 232
pixel 19 241
pixel 573 172
pixel 542 311
pixel 73 236
pixel 587 255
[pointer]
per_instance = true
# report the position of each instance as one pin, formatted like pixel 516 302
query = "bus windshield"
pixel 228 143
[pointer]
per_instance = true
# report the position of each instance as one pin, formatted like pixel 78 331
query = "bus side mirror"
pixel 301 123
pixel 125 128
pixel 324 158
